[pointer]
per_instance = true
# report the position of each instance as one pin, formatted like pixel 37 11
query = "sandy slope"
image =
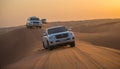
pixel 8 29
pixel 22 49
pixel 17 43
pixel 83 56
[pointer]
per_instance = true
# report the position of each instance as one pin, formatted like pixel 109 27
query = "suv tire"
pixel 44 46
pixel 40 27
pixel 30 27
pixel 72 44
pixel 49 47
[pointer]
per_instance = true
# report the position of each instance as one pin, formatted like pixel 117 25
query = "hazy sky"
pixel 15 12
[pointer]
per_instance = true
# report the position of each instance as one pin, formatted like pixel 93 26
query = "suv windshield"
pixel 56 30
pixel 34 18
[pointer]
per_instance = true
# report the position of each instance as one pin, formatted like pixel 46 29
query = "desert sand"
pixel 97 47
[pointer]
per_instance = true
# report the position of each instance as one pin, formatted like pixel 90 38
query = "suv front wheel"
pixel 49 47
pixel 44 46
pixel 72 44
pixel 39 27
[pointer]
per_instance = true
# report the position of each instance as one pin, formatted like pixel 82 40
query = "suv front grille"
pixel 35 22
pixel 61 36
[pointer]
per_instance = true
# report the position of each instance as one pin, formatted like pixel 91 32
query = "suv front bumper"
pixel 61 42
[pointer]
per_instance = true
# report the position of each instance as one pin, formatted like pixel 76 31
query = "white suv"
pixel 33 22
pixel 58 35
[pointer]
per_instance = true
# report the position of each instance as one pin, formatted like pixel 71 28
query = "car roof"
pixel 33 17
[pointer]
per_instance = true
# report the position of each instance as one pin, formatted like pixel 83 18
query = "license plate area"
pixel 65 39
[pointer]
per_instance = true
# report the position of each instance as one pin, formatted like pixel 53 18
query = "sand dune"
pixel 97 47
pixel 8 29
pixel 17 42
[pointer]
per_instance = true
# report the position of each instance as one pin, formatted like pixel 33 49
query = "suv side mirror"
pixel 44 34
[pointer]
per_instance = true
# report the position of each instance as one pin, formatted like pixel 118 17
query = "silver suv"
pixel 33 22
pixel 58 35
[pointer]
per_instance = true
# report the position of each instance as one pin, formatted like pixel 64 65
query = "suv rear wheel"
pixel 30 27
pixel 27 27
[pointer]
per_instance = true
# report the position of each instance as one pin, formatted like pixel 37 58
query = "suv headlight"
pixel 71 34
pixel 31 23
pixel 51 37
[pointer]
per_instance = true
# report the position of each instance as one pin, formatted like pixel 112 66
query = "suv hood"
pixel 34 20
